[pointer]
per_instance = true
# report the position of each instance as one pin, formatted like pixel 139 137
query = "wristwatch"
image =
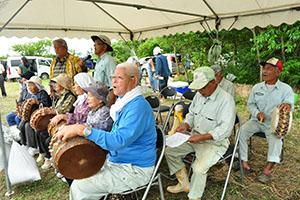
pixel 87 131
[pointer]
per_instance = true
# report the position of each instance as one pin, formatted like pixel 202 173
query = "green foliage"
pixel 122 50
pixel 39 48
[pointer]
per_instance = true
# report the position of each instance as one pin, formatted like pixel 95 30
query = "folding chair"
pixel 154 103
pixel 156 176
pixel 231 152
pixel 169 92
pixel 185 104
pixel 262 135
pixel 189 94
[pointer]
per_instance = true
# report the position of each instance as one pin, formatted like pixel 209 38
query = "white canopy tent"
pixel 138 19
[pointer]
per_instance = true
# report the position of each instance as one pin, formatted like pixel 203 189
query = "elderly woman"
pixel 81 109
pixel 36 91
pixel 63 105
pixel 98 117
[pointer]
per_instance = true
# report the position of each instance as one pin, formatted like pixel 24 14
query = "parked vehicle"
pixel 39 65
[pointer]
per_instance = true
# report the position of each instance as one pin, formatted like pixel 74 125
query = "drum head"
pixel 81 160
pixel 43 122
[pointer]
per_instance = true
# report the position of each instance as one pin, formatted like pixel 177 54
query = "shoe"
pixel 264 178
pixel 41 157
pixel 4 97
pixel 63 179
pixel 33 151
pixel 47 164
pixel 59 175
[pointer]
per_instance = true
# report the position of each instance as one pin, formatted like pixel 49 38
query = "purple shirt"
pixel 80 114
pixel 100 119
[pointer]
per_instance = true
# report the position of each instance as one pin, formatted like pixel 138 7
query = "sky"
pixel 79 45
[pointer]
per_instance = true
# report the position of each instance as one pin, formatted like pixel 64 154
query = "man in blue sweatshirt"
pixel 131 143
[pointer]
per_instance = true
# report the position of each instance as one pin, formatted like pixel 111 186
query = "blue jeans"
pixel 13 119
pixel 153 81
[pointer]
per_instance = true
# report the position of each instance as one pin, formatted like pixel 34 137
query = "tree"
pixel 39 48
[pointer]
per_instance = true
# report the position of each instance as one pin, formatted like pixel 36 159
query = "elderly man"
pixel 210 121
pixel 63 63
pixel 222 82
pixel 105 65
pixel 131 143
pixel 264 98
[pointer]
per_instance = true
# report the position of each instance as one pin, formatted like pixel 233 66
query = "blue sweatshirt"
pixel 133 136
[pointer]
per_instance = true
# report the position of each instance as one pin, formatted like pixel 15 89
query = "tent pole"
pixel 8 185
pixel 14 15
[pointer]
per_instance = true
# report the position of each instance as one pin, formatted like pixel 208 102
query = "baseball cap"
pixel 64 80
pixel 216 68
pixel 275 62
pixel 99 90
pixel 202 76
pixel 104 39
pixel 157 50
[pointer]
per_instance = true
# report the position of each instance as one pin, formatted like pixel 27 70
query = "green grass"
pixel 285 178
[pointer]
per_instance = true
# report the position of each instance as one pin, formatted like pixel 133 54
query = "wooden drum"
pixel 28 107
pixel 41 118
pixel 281 122
pixel 77 158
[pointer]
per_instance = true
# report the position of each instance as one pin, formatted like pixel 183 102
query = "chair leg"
pixel 160 188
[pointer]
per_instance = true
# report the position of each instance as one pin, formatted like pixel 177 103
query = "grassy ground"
pixel 285 178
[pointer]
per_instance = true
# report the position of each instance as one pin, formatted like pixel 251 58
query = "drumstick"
pixel 18 108
pixel 261 120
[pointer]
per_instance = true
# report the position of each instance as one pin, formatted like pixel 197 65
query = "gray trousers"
pixel 275 145
pixel 207 154
pixel 112 178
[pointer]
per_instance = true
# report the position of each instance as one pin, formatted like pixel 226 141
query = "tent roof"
pixel 138 18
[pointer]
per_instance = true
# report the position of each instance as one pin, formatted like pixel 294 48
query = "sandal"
pixel 247 170
pixel 264 178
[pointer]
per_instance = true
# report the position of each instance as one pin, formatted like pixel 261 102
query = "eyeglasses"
pixel 118 78
pixel 202 89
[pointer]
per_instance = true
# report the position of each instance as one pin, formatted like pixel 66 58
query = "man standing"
pixel 210 121
pixel 131 144
pixel 2 72
pixel 105 65
pixel 221 81
pixel 63 63
pixel 264 98
pixel 162 70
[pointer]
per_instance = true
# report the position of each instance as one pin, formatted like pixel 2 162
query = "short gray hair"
pixel 61 41
pixel 130 69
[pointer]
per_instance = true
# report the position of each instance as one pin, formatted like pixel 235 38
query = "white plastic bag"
pixel 7 150
pixel 21 165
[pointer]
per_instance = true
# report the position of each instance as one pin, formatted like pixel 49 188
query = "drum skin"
pixel 40 122
pixel 77 158
pixel 281 122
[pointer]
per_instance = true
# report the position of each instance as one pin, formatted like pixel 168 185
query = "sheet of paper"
pixel 177 139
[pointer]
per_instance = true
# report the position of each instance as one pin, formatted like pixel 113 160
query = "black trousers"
pixel 27 134
pixel 2 86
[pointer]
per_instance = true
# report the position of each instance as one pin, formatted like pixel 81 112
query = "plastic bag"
pixel 7 151
pixel 21 165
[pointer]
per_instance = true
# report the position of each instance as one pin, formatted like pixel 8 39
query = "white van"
pixel 40 66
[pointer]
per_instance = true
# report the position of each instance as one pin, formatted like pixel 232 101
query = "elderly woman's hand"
pixel 70 131
pixel 55 120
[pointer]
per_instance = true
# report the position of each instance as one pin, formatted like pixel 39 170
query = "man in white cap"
pixel 105 65
pixel 162 70
pixel 263 99
pixel 210 121
pixel 221 81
